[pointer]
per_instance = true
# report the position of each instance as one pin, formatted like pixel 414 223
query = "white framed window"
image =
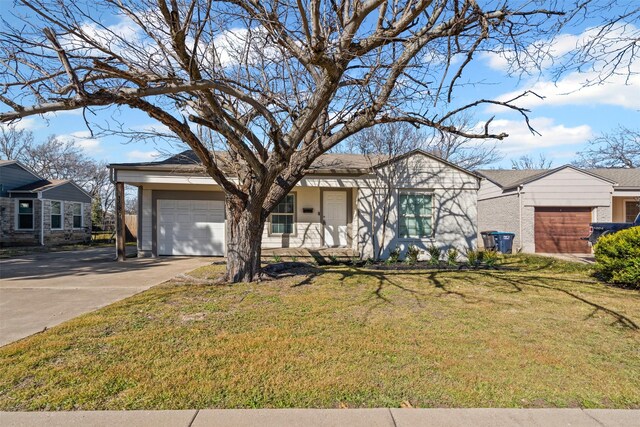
pixel 25 215
pixel 283 216
pixel 56 215
pixel 76 209
pixel 415 215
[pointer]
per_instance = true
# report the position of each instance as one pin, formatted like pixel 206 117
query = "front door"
pixel 334 212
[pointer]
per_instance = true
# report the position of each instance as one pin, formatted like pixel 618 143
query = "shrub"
pixel 394 256
pixel 277 258
pixel 452 256
pixel 618 257
pixel 434 255
pixel 490 258
pixel 412 254
pixel 472 257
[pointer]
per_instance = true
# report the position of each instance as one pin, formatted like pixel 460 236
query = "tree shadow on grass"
pixel 521 282
pixel 517 280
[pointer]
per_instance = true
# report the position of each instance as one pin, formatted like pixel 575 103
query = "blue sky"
pixel 567 118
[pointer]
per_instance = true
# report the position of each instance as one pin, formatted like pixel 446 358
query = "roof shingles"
pixel 509 178
pixel 42 185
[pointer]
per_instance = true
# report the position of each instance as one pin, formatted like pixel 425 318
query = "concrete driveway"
pixel 42 290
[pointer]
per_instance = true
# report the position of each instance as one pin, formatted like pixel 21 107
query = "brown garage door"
pixel 558 230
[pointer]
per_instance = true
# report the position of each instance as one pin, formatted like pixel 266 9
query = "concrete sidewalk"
pixel 330 417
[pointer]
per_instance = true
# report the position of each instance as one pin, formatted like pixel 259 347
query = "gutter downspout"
pixel 41 218
pixel 520 215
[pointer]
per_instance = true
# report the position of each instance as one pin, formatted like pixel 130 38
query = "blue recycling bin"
pixel 504 241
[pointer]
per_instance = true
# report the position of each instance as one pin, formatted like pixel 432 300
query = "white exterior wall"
pixel 308 228
pixel 454 207
pixel 568 187
pixel 146 219
pixel 488 190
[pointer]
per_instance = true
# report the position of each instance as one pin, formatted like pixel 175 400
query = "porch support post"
pixel 120 227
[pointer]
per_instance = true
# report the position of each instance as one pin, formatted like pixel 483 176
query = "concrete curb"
pixel 480 417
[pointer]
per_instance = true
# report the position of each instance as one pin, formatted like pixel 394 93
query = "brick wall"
pixel 500 214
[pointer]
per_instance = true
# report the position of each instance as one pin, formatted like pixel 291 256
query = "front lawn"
pixel 538 332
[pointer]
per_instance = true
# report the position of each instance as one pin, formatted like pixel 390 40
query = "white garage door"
pixel 191 227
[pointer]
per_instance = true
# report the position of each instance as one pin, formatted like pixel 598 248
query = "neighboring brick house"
pixel 550 210
pixel 36 211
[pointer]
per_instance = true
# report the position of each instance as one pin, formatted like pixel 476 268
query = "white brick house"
pixel 337 204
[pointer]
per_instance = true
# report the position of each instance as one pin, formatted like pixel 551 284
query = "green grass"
pixel 538 332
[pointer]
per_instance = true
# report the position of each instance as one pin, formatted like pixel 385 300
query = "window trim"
pixel 294 214
pixel 51 202
pixel 33 215
pixel 411 191
pixel 624 208
pixel 81 215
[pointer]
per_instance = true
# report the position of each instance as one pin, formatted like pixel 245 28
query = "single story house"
pixel 550 210
pixel 36 211
pixel 341 202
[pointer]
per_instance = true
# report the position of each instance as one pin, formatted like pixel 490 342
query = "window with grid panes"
pixel 415 215
pixel 283 215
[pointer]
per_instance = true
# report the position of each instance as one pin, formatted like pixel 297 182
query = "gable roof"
pixel 331 162
pixel 429 155
pixel 325 163
pixel 624 177
pixel 20 165
pixel 509 178
pixel 46 185
pixel 41 185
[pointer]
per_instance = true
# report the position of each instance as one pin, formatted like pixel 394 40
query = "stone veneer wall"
pixel 68 234
pixel 9 236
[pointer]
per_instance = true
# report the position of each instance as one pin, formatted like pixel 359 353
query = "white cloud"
pixel 83 139
pixel 522 141
pixel 23 124
pixel 573 90
pixel 142 156
pixel 240 45
pixel 581 87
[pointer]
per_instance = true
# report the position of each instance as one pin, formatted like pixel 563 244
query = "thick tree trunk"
pixel 244 241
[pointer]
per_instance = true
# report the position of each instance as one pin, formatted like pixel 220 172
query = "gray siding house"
pixel 340 202
pixel 550 210
pixel 36 211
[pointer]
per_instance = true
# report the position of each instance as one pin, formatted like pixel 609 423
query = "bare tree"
pixel 617 149
pixel 529 162
pixel 276 83
pixel 57 159
pixel 461 150
pixel 609 49
pixel 14 142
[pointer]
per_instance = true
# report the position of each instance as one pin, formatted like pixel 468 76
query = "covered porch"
pixel 321 255
pixel 189 219
pixel 625 207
